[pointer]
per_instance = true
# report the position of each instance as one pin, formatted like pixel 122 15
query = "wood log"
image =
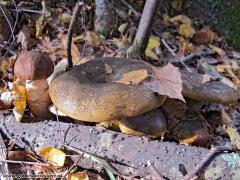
pixel 127 154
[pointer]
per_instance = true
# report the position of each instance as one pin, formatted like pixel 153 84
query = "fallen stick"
pixel 127 154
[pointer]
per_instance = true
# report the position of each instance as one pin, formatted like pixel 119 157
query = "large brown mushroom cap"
pixel 33 65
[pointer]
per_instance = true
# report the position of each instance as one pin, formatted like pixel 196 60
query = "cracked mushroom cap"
pixel 33 65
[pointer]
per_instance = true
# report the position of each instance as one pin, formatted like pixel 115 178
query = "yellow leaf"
pixel 151 54
pixel 133 77
pixel 65 18
pixel 54 156
pixel 19 100
pixel 218 50
pixel 122 28
pixel 186 30
pixel 152 43
pixel 81 175
pixel 40 24
pixel 181 19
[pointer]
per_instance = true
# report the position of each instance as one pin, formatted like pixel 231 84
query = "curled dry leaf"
pixel 54 156
pixel 218 50
pixel 133 77
pixel 19 100
pixel 166 81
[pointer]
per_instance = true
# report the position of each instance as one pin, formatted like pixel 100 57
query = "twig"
pixel 24 162
pixel 202 163
pixel 174 54
pixel 11 28
pixel 70 31
pixel 11 52
pixel 73 165
pixel 131 6
pixel 155 174
pixel 28 11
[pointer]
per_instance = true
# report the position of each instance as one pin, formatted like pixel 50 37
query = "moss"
pixel 228 20
pixel 223 15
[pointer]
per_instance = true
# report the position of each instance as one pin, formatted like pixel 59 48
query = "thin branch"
pixel 131 6
pixel 70 31
pixel 175 55
pixel 24 162
pixel 11 52
pixel 73 165
pixel 204 161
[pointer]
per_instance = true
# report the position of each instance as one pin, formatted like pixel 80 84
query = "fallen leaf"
pixel 166 81
pixel 177 4
pixel 24 37
pixel 6 98
pixel 185 46
pixel 92 38
pixel 218 50
pixel 153 42
pixel 186 30
pixel 54 156
pixel 80 175
pixel 74 49
pixel 204 36
pixel 181 19
pixel 133 77
pixel 122 28
pixel 65 18
pixel 19 100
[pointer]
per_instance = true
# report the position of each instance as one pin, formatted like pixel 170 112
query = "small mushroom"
pixel 152 124
pixel 34 68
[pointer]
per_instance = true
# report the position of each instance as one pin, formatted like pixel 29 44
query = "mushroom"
pixel 152 124
pixel 88 92
pixel 34 67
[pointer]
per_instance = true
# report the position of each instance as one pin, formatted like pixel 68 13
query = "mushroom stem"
pixel 38 98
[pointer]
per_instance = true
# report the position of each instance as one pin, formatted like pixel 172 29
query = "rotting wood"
pixel 129 155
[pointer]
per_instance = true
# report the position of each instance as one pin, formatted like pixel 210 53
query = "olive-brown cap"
pixel 33 65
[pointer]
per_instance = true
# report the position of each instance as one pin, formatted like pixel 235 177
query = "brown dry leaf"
pixel 204 36
pixel 80 175
pixel 185 46
pixel 218 50
pixel 54 156
pixel 166 81
pixel 133 77
pixel 186 30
